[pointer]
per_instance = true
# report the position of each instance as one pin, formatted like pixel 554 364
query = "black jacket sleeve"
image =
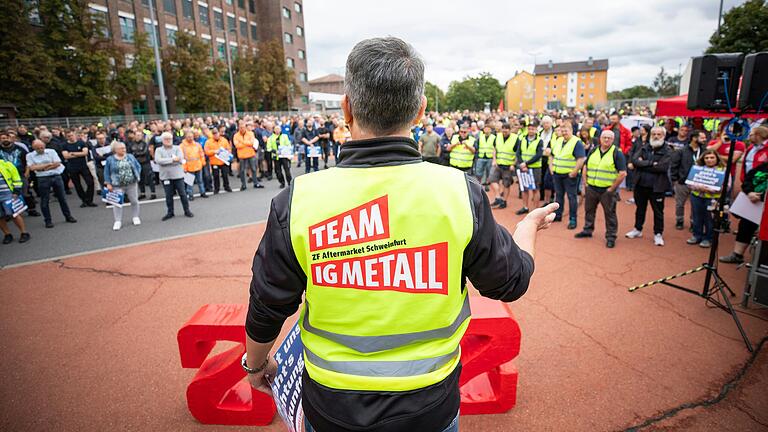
pixel 494 264
pixel 278 280
pixel 675 170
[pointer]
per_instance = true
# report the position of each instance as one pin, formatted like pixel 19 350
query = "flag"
pixel 501 104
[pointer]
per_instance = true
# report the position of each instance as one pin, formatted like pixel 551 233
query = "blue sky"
pixel 457 38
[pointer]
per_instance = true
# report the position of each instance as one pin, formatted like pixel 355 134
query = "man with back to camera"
pixel 405 377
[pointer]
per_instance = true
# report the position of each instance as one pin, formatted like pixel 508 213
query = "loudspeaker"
pixel 754 84
pixel 710 74
pixel 760 289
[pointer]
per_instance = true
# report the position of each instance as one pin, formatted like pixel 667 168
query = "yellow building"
pixel 573 84
pixel 518 96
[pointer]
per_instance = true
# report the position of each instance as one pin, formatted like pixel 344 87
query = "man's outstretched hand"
pixel 542 217
pixel 535 221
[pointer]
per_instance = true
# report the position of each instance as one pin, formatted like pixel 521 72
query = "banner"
pixel 114 197
pixel 286 385
pixel 313 151
pixel 526 180
pixel 710 179
pixel 285 152
pixel 224 155
pixel 14 207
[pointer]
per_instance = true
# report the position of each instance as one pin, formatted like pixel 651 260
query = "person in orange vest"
pixel 245 143
pixel 194 161
pixel 220 168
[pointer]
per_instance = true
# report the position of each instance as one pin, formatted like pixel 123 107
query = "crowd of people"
pixel 557 156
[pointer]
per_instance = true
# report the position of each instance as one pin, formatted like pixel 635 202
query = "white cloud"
pixel 464 38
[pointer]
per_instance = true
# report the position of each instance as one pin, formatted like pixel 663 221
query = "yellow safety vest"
pixel 564 161
pixel 461 157
pixel 528 150
pixel 10 175
pixel 385 306
pixel 601 168
pixel 505 149
pixel 485 149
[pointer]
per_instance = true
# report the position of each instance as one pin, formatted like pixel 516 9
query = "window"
pixel 218 19
pixel 591 96
pixel 252 6
pixel 204 15
pixel 186 9
pixel 34 12
pixel 297 7
pixel 286 13
pixel 289 61
pixel 127 28
pixel 555 77
pixel 581 96
pixel 546 87
pixel 231 24
pixel 128 60
pixel 288 38
pixel 243 29
pixel 241 4
pixel 591 85
pixel 302 54
pixel 101 16
pixel 221 49
pixel 148 31
pixel 591 74
pixel 299 31
pixel 140 107
pixel 546 78
pixel 170 35
pixel 582 85
pixel 229 2
pixel 304 99
pixel 233 52
pixel 302 77
pixel 254 32
pixel 554 87
pixel 169 6
pixel 583 76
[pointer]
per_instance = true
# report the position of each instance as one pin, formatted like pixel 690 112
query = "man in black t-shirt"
pixel 75 153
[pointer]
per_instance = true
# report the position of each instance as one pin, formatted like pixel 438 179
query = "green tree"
pixel 271 84
pixel 473 92
pixel 27 72
pixel 638 91
pixel 82 56
pixel 241 75
pixel 199 83
pixel 131 76
pixel 666 85
pixel 744 29
pixel 435 97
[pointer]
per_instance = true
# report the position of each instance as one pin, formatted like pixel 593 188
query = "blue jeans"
pixel 702 218
pixel 198 181
pixel 565 185
pixel 452 427
pixel 483 167
pixel 312 162
pixel 44 185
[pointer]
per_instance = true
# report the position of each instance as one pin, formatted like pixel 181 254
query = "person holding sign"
pixel 701 200
pixel 604 171
pixel 246 144
pixel 10 188
pixel 169 158
pixel 530 150
pixel 122 174
pixel 283 154
pixel 219 152
pixel 194 162
pixel 48 169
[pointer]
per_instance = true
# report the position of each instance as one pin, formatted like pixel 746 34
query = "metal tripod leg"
pixel 720 283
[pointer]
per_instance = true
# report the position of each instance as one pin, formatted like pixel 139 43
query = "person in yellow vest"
pixel 529 152
pixel 549 134
pixel 701 199
pixel 503 166
pixel 485 154
pixel 604 171
pixel 381 263
pixel 462 149
pixel 565 164
pixel 10 189
pixel 283 155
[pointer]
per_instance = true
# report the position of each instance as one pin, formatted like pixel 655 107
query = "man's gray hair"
pixel 166 135
pixel 607 132
pixel 384 84
pixel 658 129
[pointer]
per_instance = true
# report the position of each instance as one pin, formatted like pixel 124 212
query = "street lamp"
pixel 158 68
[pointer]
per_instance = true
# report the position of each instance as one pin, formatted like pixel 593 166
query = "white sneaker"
pixel 117 226
pixel 136 221
pixel 657 240
pixel 634 234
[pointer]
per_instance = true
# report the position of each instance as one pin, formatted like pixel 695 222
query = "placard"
pixel 115 198
pixel 313 151
pixel 285 152
pixel 189 179
pixel 710 179
pixel 526 180
pixel 155 167
pixel 15 206
pixel 746 209
pixel 104 150
pixel 224 155
pixel 286 385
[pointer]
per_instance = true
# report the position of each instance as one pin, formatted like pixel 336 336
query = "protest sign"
pixel 526 180
pixel 115 198
pixel 285 152
pixel 224 155
pixel 710 179
pixel 286 385
pixel 15 207
pixel 189 179
pixel 313 151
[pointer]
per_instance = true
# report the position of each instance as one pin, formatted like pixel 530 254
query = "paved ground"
pixel 89 342
pixel 94 228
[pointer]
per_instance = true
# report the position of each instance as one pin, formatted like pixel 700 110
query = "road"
pixel 93 231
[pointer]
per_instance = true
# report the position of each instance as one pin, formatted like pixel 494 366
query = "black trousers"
pixel 593 197
pixel 84 174
pixel 178 186
pixel 644 195
pixel 283 165
pixel 147 179
pixel 44 185
pixel 747 230
pixel 269 155
pixel 223 172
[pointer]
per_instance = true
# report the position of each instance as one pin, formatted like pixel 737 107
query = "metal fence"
pixel 118 119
